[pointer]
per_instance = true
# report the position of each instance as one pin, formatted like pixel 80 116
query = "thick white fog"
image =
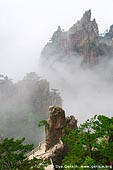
pixel 86 90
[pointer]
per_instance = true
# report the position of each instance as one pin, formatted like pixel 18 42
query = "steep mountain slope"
pixel 82 39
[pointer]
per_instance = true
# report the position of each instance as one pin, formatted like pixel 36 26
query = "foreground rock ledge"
pixel 53 149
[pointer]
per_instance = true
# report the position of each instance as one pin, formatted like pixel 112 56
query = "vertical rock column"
pixel 54 126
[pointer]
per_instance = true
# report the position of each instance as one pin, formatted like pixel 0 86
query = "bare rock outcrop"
pixel 81 38
pixel 53 148
pixel 54 128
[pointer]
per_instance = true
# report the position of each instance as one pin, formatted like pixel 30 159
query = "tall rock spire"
pixel 81 38
pixel 54 128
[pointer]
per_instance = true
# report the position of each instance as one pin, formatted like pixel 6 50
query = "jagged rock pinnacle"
pixel 87 16
pixel 81 38
pixel 56 122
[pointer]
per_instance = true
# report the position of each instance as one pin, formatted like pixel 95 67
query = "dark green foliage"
pixel 42 123
pixel 13 156
pixel 91 144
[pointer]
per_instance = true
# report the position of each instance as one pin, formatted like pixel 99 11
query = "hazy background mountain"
pixel 23 104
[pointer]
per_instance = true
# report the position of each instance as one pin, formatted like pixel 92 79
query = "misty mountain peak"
pixel 81 40
pixel 87 15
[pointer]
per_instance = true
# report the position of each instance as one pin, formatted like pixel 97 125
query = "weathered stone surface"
pixel 82 38
pixel 71 122
pixel 54 128
pixel 54 149
pixel 84 35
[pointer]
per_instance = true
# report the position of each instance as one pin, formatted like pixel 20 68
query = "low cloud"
pixel 85 90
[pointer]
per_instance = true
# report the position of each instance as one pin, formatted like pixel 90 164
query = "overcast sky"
pixel 27 25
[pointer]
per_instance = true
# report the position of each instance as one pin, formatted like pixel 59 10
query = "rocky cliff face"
pixel 81 38
pixel 53 148
pixel 56 122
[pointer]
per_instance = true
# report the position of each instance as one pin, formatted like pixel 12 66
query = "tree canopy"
pixel 91 144
pixel 13 156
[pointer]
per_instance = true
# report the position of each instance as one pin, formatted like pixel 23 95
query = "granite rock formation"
pixel 81 38
pixel 53 148
pixel 54 128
